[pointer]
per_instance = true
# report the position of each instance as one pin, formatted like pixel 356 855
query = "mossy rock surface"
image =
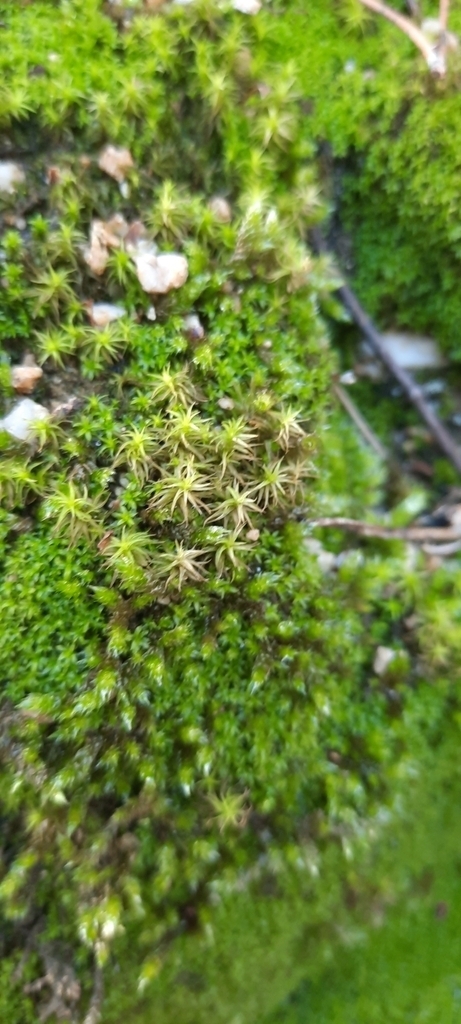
pixel 189 703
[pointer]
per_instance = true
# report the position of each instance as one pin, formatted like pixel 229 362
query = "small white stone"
pixel 158 275
pixel 11 175
pixel 431 28
pixel 103 313
pixel 193 327
pixel 226 403
pixel 348 378
pixel 221 209
pixel 151 313
pixel 20 421
pixel 383 658
pixel 116 161
pixel 247 6
pixel 413 352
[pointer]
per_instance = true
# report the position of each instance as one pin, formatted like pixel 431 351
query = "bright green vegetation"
pixel 193 736
pixel 392 131
pixel 408 968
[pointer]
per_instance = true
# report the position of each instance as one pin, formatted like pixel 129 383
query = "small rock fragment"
pixel 226 403
pixel 62 410
pixel 383 658
pixel 103 313
pixel 411 351
pixel 116 229
pixel 253 535
pixel 136 239
pixel 247 6
pixel 221 209
pixel 193 327
pixel 11 175
pixel 326 560
pixel 158 275
pixel 20 421
pixel 25 378
pixel 116 161
pixel 151 313
pixel 348 378
pixel 104 235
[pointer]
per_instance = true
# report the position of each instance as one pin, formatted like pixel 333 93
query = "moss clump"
pixel 390 129
pixel 189 702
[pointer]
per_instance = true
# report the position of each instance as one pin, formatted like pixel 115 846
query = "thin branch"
pixel 442 550
pixel 444 11
pixel 411 389
pixel 412 534
pixel 434 59
pixel 94 1010
pixel 360 422
pixel 413 8
pixel 443 15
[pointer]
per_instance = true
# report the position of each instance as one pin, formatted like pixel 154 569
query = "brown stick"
pixel 413 8
pixel 360 422
pixel 412 391
pixel 414 534
pixel 434 60
pixel 94 1010
pixel 442 550
pixel 443 21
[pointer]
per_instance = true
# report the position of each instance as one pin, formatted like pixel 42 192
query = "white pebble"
pixel 11 175
pixel 20 421
pixel 158 275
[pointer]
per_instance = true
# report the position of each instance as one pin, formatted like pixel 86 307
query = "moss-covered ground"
pixel 202 775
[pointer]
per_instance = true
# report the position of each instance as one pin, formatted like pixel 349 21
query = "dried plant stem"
pixel 443 550
pixel 411 389
pixel 94 1010
pixel 435 60
pixel 360 422
pixel 444 11
pixel 412 534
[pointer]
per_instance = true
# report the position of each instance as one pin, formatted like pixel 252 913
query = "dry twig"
pixel 434 57
pixel 94 1010
pixel 411 389
pixel 360 422
pixel 412 534
pixel 443 22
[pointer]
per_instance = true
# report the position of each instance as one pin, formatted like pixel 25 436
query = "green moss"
pixel 190 700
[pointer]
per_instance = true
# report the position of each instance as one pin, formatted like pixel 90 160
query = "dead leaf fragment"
pixel 116 161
